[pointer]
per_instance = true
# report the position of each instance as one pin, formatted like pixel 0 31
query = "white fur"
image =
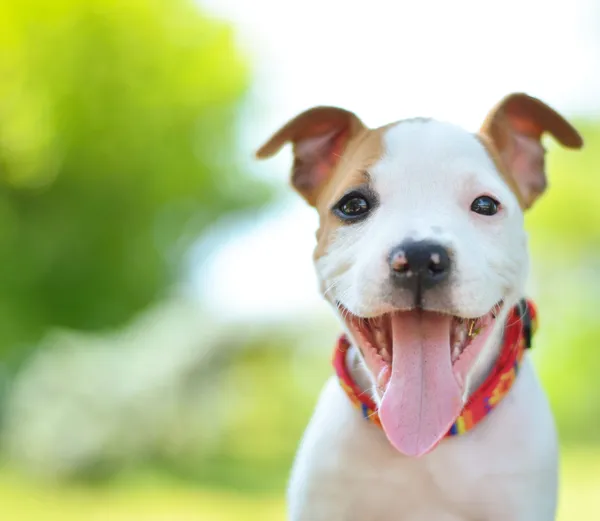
pixel 505 469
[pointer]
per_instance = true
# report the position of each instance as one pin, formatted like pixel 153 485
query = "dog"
pixel 422 253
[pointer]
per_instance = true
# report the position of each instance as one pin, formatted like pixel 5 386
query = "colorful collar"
pixel 520 326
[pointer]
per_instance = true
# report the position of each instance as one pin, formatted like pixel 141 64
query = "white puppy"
pixel 421 251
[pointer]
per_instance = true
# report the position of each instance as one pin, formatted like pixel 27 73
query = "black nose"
pixel 419 264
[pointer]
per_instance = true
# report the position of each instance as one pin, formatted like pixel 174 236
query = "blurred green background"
pixel 125 390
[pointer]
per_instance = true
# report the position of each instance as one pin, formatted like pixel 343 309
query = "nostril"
pixel 405 268
pixel 436 266
pixel 399 263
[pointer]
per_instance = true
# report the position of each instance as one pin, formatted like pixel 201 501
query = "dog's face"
pixel 433 191
pixel 421 247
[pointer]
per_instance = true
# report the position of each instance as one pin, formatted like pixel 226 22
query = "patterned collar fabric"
pixel 520 325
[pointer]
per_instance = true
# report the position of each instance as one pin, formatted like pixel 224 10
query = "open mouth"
pixel 420 360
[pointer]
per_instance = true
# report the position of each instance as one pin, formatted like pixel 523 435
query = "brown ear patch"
pixel 319 137
pixel 315 158
pixel 515 127
pixel 364 151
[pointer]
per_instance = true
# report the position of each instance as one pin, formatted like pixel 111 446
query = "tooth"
pixel 380 339
pixel 471 327
pixel 474 331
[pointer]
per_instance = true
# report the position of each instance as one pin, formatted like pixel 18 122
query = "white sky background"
pixel 385 60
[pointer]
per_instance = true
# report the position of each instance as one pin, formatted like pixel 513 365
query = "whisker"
pixel 374 413
pixel 330 287
pixel 518 319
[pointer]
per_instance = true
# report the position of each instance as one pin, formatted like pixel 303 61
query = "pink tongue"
pixel 423 398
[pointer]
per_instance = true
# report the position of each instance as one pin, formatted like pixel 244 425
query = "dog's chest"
pixel 379 484
pixel 394 489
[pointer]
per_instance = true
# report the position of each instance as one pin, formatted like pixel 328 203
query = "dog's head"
pixel 421 247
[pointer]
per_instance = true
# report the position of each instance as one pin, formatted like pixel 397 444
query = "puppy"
pixel 421 251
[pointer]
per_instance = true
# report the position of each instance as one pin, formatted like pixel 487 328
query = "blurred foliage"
pixel 564 229
pixel 267 394
pixel 568 215
pixel 117 148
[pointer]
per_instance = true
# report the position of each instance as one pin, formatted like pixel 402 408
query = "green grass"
pixel 22 500
pixel 160 500
pixel 580 485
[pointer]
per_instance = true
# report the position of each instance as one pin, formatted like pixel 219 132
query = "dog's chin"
pixel 419 361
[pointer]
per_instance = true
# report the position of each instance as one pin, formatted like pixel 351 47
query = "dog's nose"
pixel 419 264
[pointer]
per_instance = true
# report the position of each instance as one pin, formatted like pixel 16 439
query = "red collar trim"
pixel 520 324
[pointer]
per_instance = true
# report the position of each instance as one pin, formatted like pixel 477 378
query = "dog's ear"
pixel 515 126
pixel 319 137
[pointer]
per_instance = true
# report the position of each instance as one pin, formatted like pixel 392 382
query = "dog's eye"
pixel 352 206
pixel 485 205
